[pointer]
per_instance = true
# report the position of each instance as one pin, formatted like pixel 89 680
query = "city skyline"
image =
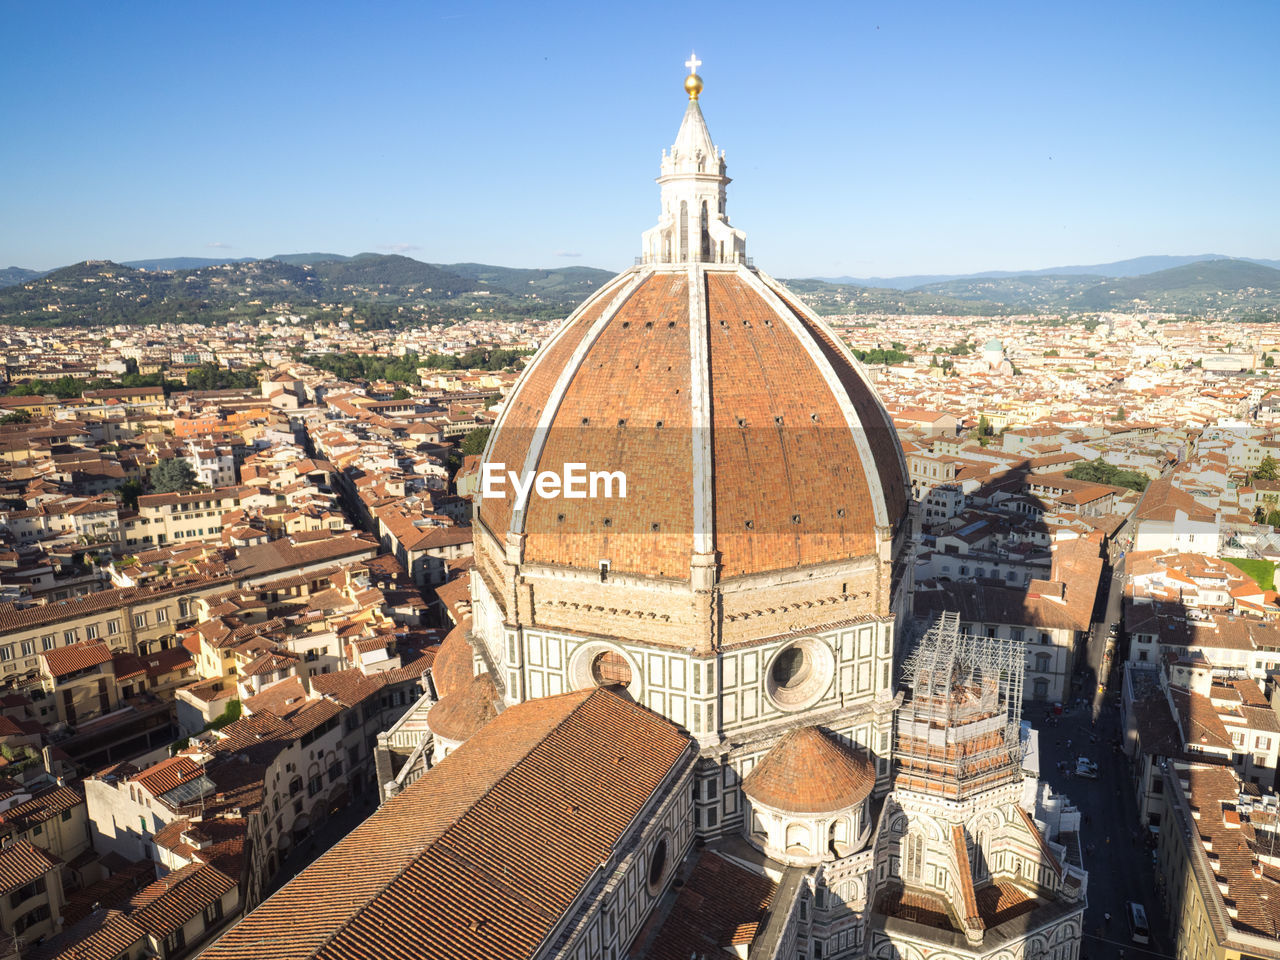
pixel 930 142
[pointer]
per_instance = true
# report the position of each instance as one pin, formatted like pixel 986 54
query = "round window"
pixel 790 668
pixel 657 864
pixel 800 674
pixel 611 669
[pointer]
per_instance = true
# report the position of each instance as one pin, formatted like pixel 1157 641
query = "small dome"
pixel 452 669
pixel 465 711
pixel 809 772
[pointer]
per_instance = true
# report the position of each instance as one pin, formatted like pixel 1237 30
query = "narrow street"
pixel 1096 649
pixel 1116 854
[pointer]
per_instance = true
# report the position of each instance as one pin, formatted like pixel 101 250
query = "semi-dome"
pixel 809 772
pixel 754 448
pixel 453 667
pixel 464 711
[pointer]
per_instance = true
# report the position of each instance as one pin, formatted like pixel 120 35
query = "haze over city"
pixel 867 139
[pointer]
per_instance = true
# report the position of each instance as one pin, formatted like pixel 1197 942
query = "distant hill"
pixel 183 263
pixel 380 290
pixel 1032 291
pixel 11 275
pixel 302 259
pixel 374 270
pixel 1136 266
pixel 563 281
pixel 1227 288
pixel 1223 286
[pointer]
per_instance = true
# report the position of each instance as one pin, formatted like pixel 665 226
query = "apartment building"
pixel 166 518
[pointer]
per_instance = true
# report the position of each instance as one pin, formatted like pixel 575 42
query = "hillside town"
pixel 226 613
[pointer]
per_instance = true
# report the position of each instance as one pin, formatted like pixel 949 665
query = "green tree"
pixel 1099 471
pixel 129 492
pixel 984 426
pixel 18 416
pixel 401 394
pixel 882 356
pixel 1268 361
pixel 1273 518
pixel 210 376
pixel 1121 413
pixel 169 476
pixel 473 443
pixel 1267 469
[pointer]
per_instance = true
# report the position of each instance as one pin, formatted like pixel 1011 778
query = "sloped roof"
pixel 76 656
pixel 720 906
pixel 22 862
pixel 442 871
pixel 1163 501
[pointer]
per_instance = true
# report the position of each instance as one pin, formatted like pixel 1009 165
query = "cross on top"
pixel 693 63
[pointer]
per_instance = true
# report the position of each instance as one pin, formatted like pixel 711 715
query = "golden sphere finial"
pixel 693 82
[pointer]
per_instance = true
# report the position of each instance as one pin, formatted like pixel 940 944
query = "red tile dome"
pixel 808 771
pixel 743 426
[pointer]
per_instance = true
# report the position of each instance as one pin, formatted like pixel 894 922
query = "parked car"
pixel 1086 768
pixel 1138 931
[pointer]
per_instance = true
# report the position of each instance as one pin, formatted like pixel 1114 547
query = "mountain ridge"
pixel 1132 267
pixel 385 289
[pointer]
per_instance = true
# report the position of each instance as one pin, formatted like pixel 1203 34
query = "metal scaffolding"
pixel 959 733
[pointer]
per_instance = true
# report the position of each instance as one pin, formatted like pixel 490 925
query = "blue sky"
pixel 863 139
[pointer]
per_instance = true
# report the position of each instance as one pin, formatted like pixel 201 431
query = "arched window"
pixel 978 855
pixel 838 836
pixel 913 858
pixel 657 865
pixel 798 836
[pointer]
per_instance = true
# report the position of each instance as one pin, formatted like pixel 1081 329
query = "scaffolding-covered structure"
pixel 958 734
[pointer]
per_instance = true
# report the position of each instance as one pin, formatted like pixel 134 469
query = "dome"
pixel 734 413
pixel 452 668
pixel 809 772
pixel 466 710
pixel 763 486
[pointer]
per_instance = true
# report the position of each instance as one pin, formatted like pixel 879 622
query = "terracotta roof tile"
pixel 76 656
pixel 461 864
pixel 167 774
pixel 43 806
pixel 171 901
pixel 463 712
pixel 22 862
pixel 454 664
pixel 808 771
pixel 720 906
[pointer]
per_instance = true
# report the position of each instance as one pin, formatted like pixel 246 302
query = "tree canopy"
pixel 170 476
pixel 210 376
pixel 473 443
pixel 1099 471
